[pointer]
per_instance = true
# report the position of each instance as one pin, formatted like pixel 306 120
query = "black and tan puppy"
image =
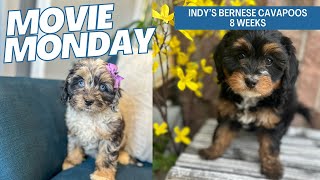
pixel 257 71
pixel 95 125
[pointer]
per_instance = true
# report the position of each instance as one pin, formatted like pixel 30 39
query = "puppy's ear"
pixel 65 95
pixel 115 101
pixel 219 55
pixel 291 71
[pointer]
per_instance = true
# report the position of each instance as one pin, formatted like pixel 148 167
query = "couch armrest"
pixel 33 134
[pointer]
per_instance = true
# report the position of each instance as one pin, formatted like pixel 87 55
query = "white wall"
pixel 6 69
pixel 2 29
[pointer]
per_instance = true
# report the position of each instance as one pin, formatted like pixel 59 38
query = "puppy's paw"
pixel 103 174
pixel 208 153
pixel 124 158
pixel 272 170
pixel 74 157
pixel 67 165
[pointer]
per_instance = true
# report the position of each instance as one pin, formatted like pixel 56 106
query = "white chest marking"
pixel 87 127
pixel 245 116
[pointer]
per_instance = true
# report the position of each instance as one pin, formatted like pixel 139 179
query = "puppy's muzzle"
pixel 250 82
pixel 88 102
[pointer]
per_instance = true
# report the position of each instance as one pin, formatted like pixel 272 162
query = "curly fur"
pixel 95 126
pixel 268 106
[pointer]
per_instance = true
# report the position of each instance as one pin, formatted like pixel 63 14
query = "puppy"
pixel 95 126
pixel 257 71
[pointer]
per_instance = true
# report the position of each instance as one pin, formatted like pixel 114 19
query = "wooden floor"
pixel 300 156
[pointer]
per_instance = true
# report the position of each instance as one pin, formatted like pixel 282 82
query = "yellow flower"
pixel 182 135
pixel 174 51
pixel 160 129
pixel 251 3
pixel 223 3
pixel 205 3
pixel 155 66
pixel 192 66
pixel 155 49
pixel 186 34
pixel 210 3
pixel 236 3
pixel 182 58
pixel 206 69
pixel 192 33
pixel 186 80
pixel 208 34
pixel 198 92
pixel 222 33
pixel 171 23
pixel 192 4
pixel 164 51
pixel 174 42
pixel 173 70
pixel 164 14
pixel 160 39
pixel 154 5
pixel 193 73
pixel 191 48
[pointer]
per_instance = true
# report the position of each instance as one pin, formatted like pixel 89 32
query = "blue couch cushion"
pixel 33 134
pixel 83 171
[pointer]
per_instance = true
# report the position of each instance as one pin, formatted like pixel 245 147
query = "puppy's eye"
pixel 269 61
pixel 103 87
pixel 241 56
pixel 81 83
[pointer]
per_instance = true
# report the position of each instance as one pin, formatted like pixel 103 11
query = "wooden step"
pixel 300 155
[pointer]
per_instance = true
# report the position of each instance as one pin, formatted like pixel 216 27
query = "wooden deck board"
pixel 300 155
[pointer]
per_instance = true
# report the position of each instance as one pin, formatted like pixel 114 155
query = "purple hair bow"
pixel 113 70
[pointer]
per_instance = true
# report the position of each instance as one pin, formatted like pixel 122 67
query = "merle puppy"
pixel 257 71
pixel 95 124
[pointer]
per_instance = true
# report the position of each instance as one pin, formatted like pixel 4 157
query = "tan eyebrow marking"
pixel 271 47
pixel 241 42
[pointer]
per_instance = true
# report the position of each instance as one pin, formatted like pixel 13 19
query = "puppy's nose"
pixel 88 102
pixel 251 83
